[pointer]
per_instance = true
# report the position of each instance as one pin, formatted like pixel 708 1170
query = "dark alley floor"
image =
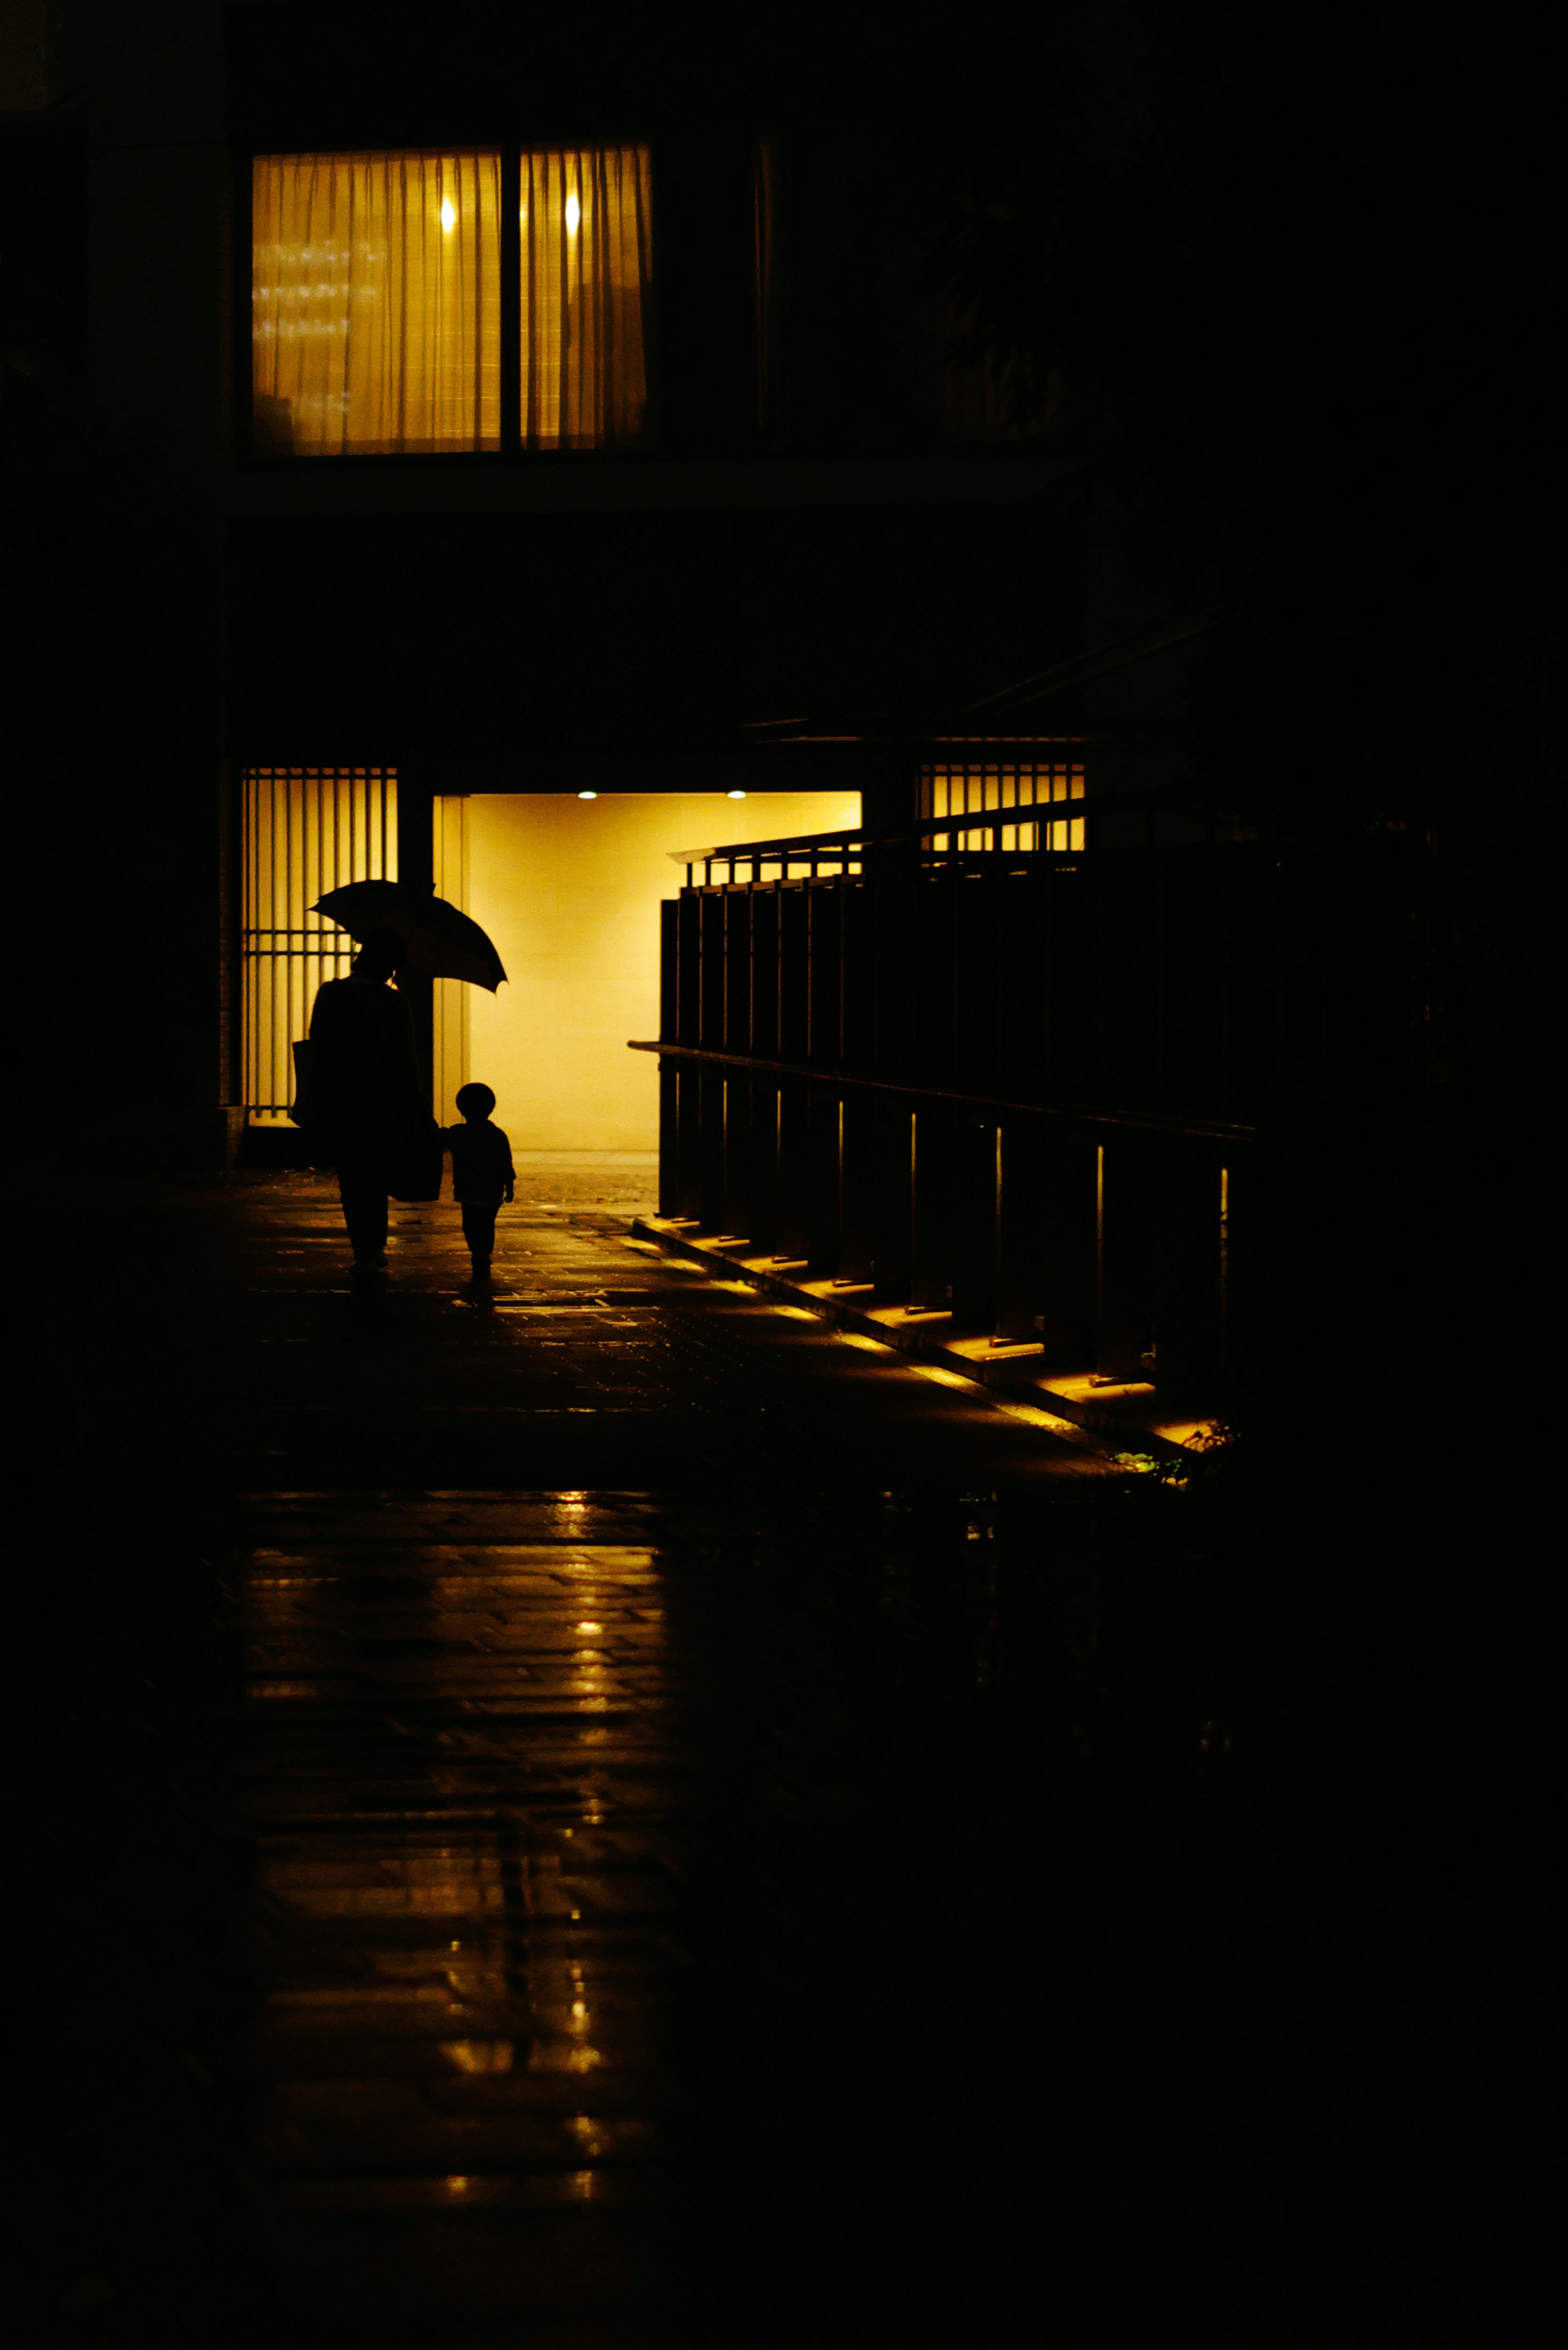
pixel 598 1364
pixel 475 1537
pixel 621 1817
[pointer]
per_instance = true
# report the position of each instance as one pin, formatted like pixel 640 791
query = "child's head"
pixel 474 1103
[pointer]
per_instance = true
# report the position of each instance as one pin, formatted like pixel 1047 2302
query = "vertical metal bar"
pixel 914 1199
pixel 279 813
pixel 510 373
pixel 1225 1251
pixel 293 986
pixel 293 811
pixel 1100 1237
pixel 262 1042
pixel 247 868
pixel 463 1031
pixel 266 981
pixel 840 1191
pixel 998 1266
pixel 247 927
pixel 668 1137
pixel 264 1077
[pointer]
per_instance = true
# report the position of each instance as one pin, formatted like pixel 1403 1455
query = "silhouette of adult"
pixel 365 1087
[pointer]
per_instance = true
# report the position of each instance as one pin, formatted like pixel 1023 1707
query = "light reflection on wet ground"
pixel 481 1769
pixel 1004 1911
pixel 458 1757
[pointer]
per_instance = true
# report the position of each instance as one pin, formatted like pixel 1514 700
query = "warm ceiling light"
pixel 449 215
pixel 574 214
pixel 588 795
pixel 735 795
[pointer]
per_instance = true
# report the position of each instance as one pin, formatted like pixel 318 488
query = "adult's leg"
pixel 362 1188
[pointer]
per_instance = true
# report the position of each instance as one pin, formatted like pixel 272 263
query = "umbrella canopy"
pixel 440 942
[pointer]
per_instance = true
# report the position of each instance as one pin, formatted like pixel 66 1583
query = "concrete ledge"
pixel 1127 1416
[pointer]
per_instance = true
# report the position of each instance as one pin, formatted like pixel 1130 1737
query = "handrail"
pixel 806 842
pixel 1156 1122
pixel 1054 811
pixel 853 840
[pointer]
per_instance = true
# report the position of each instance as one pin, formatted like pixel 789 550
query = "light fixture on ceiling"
pixel 588 795
pixel 734 796
pixel 449 215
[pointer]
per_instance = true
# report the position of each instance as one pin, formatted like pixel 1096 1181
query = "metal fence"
pixel 305 830
pixel 1016 1089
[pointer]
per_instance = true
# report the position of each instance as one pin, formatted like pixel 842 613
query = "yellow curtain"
pixel 585 226
pixel 377 303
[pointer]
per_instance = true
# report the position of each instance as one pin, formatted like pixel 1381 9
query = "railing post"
pixel 1065 1299
pixel 825 1133
pixel 737 908
pixel 978 916
pixel 1069 1042
pixel 892 1202
pixel 688 1139
pixel 1021 1229
pixel 737 1195
pixel 1190 1302
pixel 857 1179
pixel 972 1212
pixel 765 973
pixel 1023 984
pixel 688 969
pixel 1127 1227
pixel 762 1221
pixel 892 919
pixel 930 1264
pixel 795 1233
pixel 825 989
pixel 934 1007
pixel 1241 1336
pixel 711 985
pixel 794 980
pixel 1131 922
pixel 668 1136
pixel 710 1208
pixel 857 1034
pixel 668 969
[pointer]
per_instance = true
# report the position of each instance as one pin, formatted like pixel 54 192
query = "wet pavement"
pixel 472 1747
pixel 617 1816
pixel 598 1364
pixel 462 1772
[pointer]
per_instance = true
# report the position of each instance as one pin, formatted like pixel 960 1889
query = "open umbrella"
pixel 440 942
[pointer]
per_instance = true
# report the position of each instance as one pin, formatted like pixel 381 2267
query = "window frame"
pixel 247 458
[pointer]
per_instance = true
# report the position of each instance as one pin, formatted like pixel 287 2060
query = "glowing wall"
pixel 569 890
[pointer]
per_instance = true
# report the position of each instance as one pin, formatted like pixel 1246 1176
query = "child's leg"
pixel 479 1231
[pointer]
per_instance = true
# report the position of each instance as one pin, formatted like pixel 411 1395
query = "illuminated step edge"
pixel 1125 1417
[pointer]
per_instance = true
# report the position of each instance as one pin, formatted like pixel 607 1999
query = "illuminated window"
pixel 376 304
pixel 1001 790
pixel 376 311
pixel 583 223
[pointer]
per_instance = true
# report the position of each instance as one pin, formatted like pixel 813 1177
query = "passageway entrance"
pixel 570 889
pixel 568 885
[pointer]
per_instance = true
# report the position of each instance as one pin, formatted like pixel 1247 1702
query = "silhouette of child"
pixel 481 1174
